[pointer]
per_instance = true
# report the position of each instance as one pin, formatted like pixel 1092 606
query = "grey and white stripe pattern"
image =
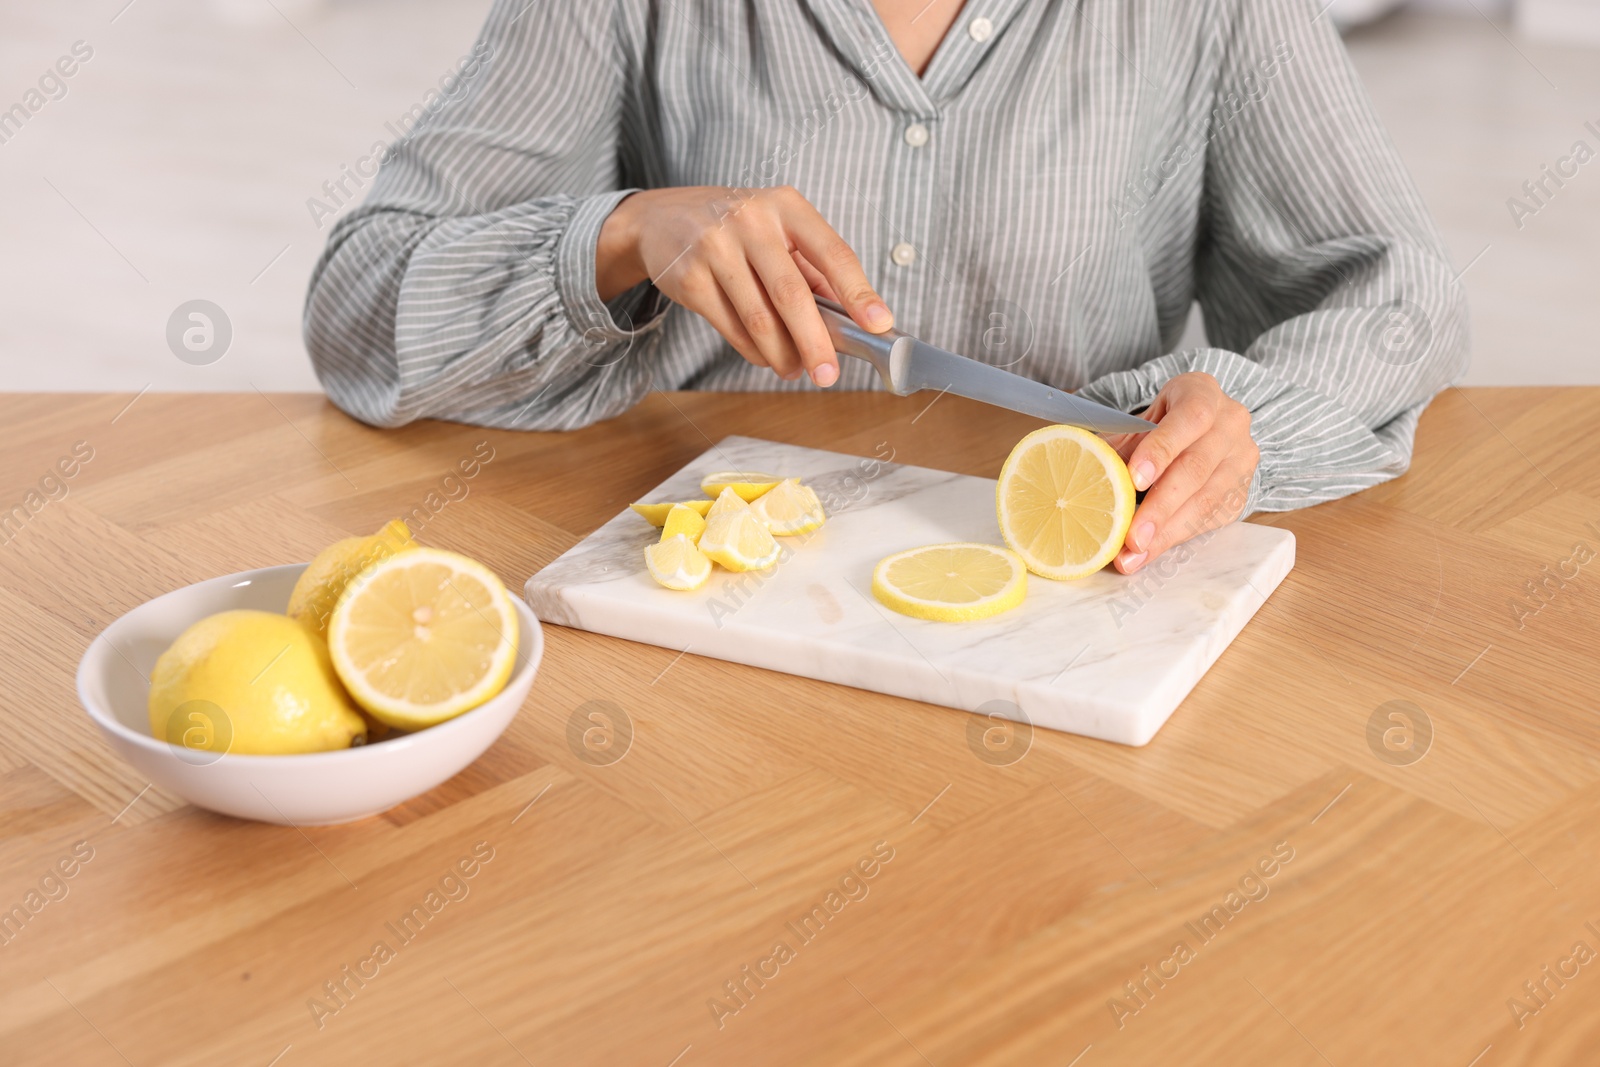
pixel 1091 168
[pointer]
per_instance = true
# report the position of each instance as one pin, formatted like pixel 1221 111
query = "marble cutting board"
pixel 1110 656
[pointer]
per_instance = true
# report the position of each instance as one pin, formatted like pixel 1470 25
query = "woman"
pixel 1062 176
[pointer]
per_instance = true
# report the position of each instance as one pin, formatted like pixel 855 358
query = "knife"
pixel 908 366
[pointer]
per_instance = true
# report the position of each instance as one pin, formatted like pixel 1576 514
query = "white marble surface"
pixel 1110 656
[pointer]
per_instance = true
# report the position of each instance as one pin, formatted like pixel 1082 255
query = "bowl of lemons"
pixel 317 693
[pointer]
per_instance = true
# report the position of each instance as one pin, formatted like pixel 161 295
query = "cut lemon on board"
pixel 1064 501
pixel 735 537
pixel 676 563
pixel 683 520
pixel 748 484
pixel 789 508
pixel 423 636
pixel 951 583
pixel 656 514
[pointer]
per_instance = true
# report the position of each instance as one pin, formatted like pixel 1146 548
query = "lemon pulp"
pixel 1064 501
pixel 423 636
pixel 735 537
pixel 951 583
pixel 676 563
pixel 789 508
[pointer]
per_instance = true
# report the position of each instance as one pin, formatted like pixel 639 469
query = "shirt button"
pixel 903 254
pixel 980 29
pixel 916 135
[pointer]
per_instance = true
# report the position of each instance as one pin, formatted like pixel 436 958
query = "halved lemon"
pixel 748 484
pixel 735 537
pixel 656 514
pixel 676 563
pixel 789 508
pixel 957 582
pixel 683 520
pixel 422 637
pixel 1064 501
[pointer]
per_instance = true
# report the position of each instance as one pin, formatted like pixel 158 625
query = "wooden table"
pixel 1371 907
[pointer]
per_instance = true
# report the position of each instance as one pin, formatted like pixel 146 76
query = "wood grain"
pixel 1020 900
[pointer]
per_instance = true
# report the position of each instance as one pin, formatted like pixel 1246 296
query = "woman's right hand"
pixel 749 261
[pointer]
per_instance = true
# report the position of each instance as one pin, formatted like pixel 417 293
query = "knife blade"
pixel 907 365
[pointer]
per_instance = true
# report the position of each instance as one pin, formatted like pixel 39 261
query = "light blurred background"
pixel 177 162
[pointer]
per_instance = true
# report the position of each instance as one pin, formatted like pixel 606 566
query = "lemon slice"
pixel 748 484
pixel 1064 500
pixel 735 537
pixel 422 637
pixel 683 520
pixel 656 514
pixel 676 563
pixel 951 583
pixel 789 508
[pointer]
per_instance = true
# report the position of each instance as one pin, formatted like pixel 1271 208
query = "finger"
pixel 1184 477
pixel 833 256
pixel 761 320
pixel 1123 443
pixel 796 305
pixel 700 293
pixel 725 320
pixel 1216 504
pixel 1184 417
pixel 814 277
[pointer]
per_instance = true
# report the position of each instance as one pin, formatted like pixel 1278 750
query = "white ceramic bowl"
pixel 314 789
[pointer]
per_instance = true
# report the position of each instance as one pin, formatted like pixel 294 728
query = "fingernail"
pixel 879 316
pixel 825 375
pixel 1141 535
pixel 1144 472
pixel 1133 562
pixel 793 375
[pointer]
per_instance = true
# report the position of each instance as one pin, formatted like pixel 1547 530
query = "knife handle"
pixel 878 349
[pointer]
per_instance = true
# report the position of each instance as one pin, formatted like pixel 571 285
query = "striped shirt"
pixel 1054 192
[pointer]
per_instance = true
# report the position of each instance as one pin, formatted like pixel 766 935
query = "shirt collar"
pixel 856 31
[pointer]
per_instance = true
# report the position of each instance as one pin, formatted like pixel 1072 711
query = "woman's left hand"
pixel 1197 465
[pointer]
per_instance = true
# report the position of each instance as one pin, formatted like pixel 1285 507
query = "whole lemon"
pixel 324 581
pixel 251 682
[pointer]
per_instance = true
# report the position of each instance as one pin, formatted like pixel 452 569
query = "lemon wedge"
pixel 686 521
pixel 957 582
pixel 656 514
pixel 748 484
pixel 1064 501
pixel 728 502
pixel 676 563
pixel 735 537
pixel 789 508
pixel 422 637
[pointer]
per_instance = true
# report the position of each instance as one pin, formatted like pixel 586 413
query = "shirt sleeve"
pixel 464 286
pixel 1324 284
